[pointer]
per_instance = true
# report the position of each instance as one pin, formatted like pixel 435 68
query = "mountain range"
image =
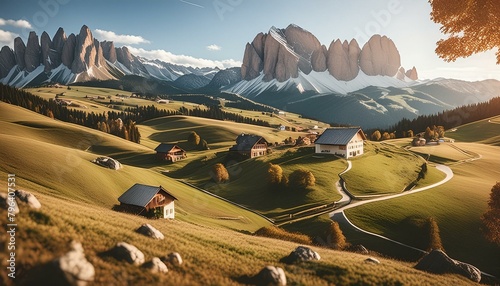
pixel 286 68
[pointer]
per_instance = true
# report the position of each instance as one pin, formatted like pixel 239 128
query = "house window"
pixel 342 147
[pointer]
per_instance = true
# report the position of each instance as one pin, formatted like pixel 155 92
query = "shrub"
pixel 194 138
pixel 279 233
pixel 376 136
pixel 335 237
pixel 301 179
pixel 274 174
pixel 219 173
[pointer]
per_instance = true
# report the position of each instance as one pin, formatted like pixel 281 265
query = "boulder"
pixel 68 51
pixel 302 253
pixel 439 262
pixel 6 203
pixel 149 230
pixel 174 258
pixel 127 252
pixel 155 265
pixel 372 260
pixel 270 275
pixel 108 163
pixel 380 56
pixel 7 61
pixel 358 248
pixel 28 198
pixel 32 53
pixel 77 270
pixel 19 51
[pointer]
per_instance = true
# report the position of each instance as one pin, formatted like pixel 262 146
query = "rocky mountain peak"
pixel 380 56
pixel 32 53
pixel 19 51
pixel 85 52
pixel 7 61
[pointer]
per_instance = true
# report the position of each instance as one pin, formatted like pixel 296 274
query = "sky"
pixel 214 32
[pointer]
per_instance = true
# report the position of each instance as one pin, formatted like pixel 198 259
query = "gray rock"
pixel 372 260
pixel 7 61
pixel 99 59
pixel 19 50
pixel 304 43
pixel 124 56
pixel 271 275
pixel 128 252
pixel 271 48
pixel 380 56
pixel 252 63
pixel 318 59
pixel 28 198
pixel 108 163
pixel 68 51
pixel 55 53
pixel 32 53
pixel 439 262
pixel 302 253
pixel 358 248
pixel 46 47
pixel 6 203
pixel 412 73
pixel 85 52
pixel 156 266
pixel 77 270
pixel 108 50
pixel 149 230
pixel 174 258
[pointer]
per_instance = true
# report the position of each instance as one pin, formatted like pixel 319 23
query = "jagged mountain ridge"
pixel 79 58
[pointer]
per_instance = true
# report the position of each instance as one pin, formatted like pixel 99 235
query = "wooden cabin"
pixel 249 146
pixel 170 152
pixel 148 201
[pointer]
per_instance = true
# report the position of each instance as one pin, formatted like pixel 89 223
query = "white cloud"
pixel 7 38
pixel 16 23
pixel 182 59
pixel 214 48
pixel 122 39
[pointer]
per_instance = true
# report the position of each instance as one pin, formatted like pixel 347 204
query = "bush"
pixel 194 138
pixel 335 237
pixel 219 173
pixel 301 179
pixel 274 174
pixel 279 233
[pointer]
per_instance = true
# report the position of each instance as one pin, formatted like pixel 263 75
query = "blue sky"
pixel 214 32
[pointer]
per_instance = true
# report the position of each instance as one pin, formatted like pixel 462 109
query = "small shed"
pixel 148 201
pixel 249 146
pixel 170 152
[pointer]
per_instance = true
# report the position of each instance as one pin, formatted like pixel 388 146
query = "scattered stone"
pixel 128 252
pixel 174 258
pixel 438 262
pixel 372 260
pixel 28 198
pixel 108 163
pixel 270 275
pixel 7 203
pixel 302 253
pixel 156 266
pixel 77 270
pixel 358 248
pixel 149 230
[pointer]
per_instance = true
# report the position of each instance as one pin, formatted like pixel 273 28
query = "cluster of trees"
pixel 491 218
pixel 299 179
pixel 121 124
pixel 214 112
pixel 197 142
pixel 378 136
pixel 449 119
pixel 434 133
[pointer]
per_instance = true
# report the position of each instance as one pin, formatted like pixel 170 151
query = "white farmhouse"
pixel 342 141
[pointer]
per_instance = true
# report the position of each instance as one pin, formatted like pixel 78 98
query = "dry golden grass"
pixel 279 233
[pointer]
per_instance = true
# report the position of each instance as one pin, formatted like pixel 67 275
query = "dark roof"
pixel 245 142
pixel 165 148
pixel 338 135
pixel 141 195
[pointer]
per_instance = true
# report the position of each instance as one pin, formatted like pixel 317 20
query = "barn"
pixel 170 152
pixel 343 141
pixel 149 201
